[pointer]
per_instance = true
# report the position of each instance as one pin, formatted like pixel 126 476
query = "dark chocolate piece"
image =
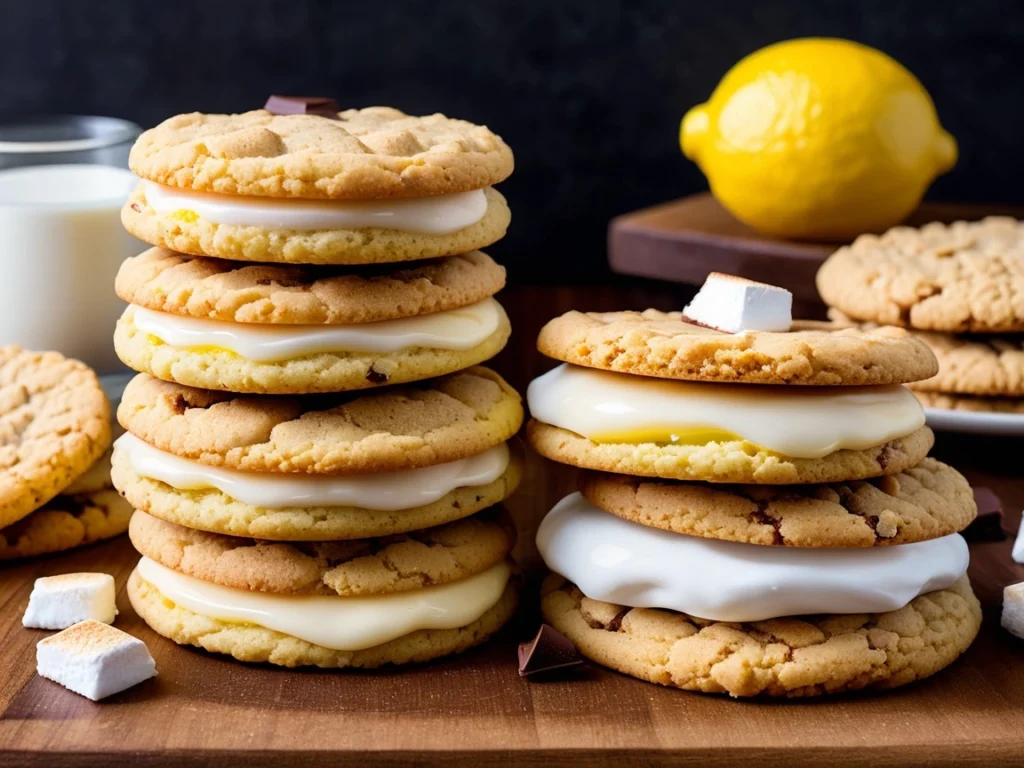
pixel 988 525
pixel 303 105
pixel 550 650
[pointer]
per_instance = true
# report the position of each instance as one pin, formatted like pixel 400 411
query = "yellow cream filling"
pixel 185 215
pixel 668 436
pixel 156 341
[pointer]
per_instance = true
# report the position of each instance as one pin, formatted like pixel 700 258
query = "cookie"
pixel 662 344
pixel 87 511
pixel 965 276
pixel 728 462
pixel 184 229
pixel 378 566
pixel 942 401
pixel 785 657
pixel 211 509
pixel 213 289
pixel 211 367
pixel 920 503
pixel 363 154
pixel 54 424
pixel 397 428
pixel 254 644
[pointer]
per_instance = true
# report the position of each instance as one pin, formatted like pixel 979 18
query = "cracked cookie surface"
pixel 788 657
pixel 662 344
pixel 920 503
pixel 401 427
pixel 732 462
pixel 965 276
pixel 378 566
pixel 54 425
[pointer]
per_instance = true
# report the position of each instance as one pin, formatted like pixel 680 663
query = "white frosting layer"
pixel 440 215
pixel 617 561
pixel 799 422
pixel 456 329
pixel 339 623
pixel 384 491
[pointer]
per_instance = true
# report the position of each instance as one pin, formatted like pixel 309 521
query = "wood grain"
pixel 204 710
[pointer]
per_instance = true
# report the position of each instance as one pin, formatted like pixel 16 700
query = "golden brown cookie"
pixel 965 276
pixel 379 566
pixel 223 369
pixel 87 511
pixel 789 657
pixel 365 153
pixel 396 428
pixel 653 343
pixel 920 503
pixel 213 289
pixel 939 400
pixel 191 233
pixel 250 643
pixel 210 509
pixel 54 425
pixel 727 462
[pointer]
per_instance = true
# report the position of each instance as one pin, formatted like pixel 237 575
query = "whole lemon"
pixel 818 138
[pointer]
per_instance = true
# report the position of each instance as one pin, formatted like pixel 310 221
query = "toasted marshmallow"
pixel 94 659
pixel 1018 545
pixel 1013 609
pixel 57 602
pixel 733 304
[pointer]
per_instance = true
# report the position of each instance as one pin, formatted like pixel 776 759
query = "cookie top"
pixel 661 344
pixel 364 153
pixel 921 503
pixel 965 276
pixel 387 565
pixel 54 424
pixel 400 427
pixel 239 292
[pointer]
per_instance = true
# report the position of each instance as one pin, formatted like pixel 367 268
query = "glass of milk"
pixel 63 181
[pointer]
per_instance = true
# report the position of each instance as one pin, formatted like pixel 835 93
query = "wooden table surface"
pixel 207 710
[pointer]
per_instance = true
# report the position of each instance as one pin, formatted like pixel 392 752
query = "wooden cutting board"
pixel 683 240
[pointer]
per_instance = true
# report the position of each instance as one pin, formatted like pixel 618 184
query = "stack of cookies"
pixel 957 287
pixel 312 447
pixel 756 513
pixel 55 488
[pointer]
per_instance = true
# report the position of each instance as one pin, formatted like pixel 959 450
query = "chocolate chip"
pixel 988 525
pixel 550 650
pixel 136 207
pixel 376 377
pixel 303 105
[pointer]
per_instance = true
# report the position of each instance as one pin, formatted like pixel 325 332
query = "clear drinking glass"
pixel 63 181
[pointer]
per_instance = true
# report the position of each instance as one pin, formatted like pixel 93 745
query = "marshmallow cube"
pixel 1018 545
pixel 57 602
pixel 1013 609
pixel 94 659
pixel 733 304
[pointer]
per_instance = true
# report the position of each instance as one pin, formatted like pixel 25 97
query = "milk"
pixel 61 243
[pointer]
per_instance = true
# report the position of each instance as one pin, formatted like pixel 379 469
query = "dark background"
pixel 588 93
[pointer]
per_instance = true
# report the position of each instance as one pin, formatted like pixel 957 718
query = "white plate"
pixel 1009 424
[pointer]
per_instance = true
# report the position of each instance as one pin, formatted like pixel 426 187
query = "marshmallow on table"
pixel 58 602
pixel 1013 609
pixel 94 659
pixel 1018 545
pixel 733 304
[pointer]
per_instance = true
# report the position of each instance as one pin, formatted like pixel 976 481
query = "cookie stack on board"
pixel 756 513
pixel 312 448
pixel 957 287
pixel 55 488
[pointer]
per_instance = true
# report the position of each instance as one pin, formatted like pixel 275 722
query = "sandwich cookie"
pixel 54 425
pixel 87 511
pixel 287 330
pixel 924 502
pixel 366 603
pixel 960 277
pixel 355 187
pixel 399 428
pixel 716 616
pixel 683 430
